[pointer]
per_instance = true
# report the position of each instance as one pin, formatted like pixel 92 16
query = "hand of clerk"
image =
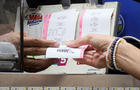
pixel 32 47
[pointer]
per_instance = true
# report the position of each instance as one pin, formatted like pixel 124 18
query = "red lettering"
pixel 35 17
pixel 31 17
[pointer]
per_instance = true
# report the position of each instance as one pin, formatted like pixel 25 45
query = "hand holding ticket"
pixel 65 52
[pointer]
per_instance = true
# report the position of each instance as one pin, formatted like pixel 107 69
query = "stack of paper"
pixel 60 26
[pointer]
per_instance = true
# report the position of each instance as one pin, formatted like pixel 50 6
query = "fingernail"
pixel 69 43
pixel 56 44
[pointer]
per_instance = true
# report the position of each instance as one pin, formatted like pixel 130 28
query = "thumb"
pixel 79 42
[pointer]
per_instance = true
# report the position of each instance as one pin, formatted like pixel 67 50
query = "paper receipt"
pixel 65 52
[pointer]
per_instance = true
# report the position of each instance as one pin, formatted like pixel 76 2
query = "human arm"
pixel 6 28
pixel 32 46
pixel 127 55
pixel 127 58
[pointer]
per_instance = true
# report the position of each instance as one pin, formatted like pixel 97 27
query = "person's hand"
pixel 96 42
pixel 32 47
pixel 6 28
pixel 36 47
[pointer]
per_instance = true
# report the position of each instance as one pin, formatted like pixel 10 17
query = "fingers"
pixel 26 35
pixel 80 42
pixel 33 46
pixel 34 51
pixel 88 57
pixel 33 42
pixel 90 53
pixel 87 54
pixel 94 59
pixel 31 65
